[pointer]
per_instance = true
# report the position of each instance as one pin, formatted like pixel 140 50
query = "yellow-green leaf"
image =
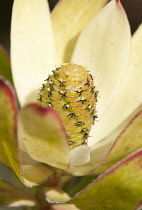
pixel 12 151
pixel 8 125
pixel 69 18
pixel 128 141
pixel 5 69
pixel 44 136
pixel 33 172
pixel 119 188
pixel 12 197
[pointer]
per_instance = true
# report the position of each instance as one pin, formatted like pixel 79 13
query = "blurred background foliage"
pixel 133 9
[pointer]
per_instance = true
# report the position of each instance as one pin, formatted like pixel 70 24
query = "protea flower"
pixel 102 44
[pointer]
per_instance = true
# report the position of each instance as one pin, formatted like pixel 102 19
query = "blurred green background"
pixel 133 9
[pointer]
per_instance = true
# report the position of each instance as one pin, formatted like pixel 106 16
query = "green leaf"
pixel 8 126
pixel 44 136
pixel 119 188
pixel 12 151
pixel 5 69
pixel 10 196
pixel 82 184
pixel 128 141
pixel 34 174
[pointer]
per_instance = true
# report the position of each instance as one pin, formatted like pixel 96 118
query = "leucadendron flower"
pixel 58 60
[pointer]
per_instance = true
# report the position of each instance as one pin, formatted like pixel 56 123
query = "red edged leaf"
pixel 120 187
pixel 44 136
pixel 5 69
pixel 8 127
pixel 128 141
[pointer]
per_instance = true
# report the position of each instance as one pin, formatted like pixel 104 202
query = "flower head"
pixel 104 46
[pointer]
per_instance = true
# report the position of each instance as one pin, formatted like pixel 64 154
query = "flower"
pixel 104 46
